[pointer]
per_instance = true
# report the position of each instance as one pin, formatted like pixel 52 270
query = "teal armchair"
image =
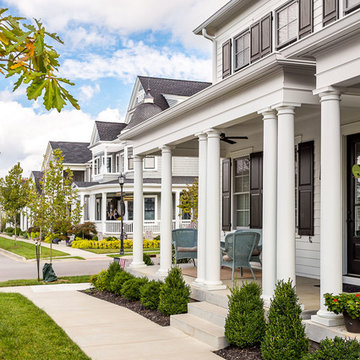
pixel 185 244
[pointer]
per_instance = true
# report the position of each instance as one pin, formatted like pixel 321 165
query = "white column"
pixel 92 207
pixel 92 167
pixel 331 205
pixel 269 205
pixel 82 202
pixel 103 213
pixel 212 272
pixel 138 214
pixel 166 211
pixel 286 195
pixel 201 255
pixel 177 210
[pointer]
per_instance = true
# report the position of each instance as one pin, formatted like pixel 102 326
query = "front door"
pixel 353 211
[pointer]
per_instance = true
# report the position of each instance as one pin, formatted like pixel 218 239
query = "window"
pixel 149 162
pixel 108 164
pixel 241 50
pixel 149 208
pixel 241 192
pixel 86 207
pixel 130 210
pixel 96 165
pixel 130 153
pixel 350 5
pixel 98 209
pixel 117 163
pixel 287 24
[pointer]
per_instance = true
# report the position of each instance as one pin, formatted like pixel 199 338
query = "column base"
pixel 327 318
pixel 163 272
pixel 138 265
pixel 267 301
pixel 198 283
pixel 213 285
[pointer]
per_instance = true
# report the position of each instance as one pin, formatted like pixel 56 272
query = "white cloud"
pixel 88 91
pixel 138 59
pixel 179 17
pixel 112 115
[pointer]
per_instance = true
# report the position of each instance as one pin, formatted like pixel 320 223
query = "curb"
pixel 12 255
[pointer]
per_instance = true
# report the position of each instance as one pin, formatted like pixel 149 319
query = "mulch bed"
pixel 235 353
pixel 136 306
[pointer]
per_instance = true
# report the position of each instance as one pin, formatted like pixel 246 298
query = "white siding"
pixel 317 15
pixel 185 166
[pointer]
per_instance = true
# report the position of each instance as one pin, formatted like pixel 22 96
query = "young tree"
pixel 14 192
pixel 24 52
pixel 189 200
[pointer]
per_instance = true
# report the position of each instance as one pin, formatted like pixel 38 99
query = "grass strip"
pixel 27 250
pixel 113 251
pixel 61 280
pixel 26 332
pixel 126 254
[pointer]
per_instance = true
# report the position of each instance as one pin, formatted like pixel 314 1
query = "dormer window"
pixel 286 24
pixel 130 153
pixel 241 50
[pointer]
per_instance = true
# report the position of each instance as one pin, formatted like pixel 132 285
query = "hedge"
pixel 113 244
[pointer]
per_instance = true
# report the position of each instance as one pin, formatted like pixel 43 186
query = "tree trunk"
pixel 15 231
pixel 51 239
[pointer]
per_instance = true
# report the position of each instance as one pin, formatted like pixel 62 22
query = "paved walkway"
pixel 106 331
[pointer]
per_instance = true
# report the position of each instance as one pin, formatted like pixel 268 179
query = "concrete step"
pixel 209 312
pixel 219 298
pixel 202 330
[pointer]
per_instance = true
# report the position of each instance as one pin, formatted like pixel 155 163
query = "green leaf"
pixel 49 94
pixel 356 171
pixel 39 45
pixel 18 82
pixel 35 89
pixel 58 99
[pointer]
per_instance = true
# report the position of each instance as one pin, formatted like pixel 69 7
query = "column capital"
pixel 166 148
pixel 285 107
pixel 202 136
pixel 327 90
pixel 330 96
pixel 138 158
pixel 267 113
pixel 213 133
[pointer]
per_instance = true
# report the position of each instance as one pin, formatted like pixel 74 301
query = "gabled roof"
pixel 73 152
pixel 108 131
pixel 37 176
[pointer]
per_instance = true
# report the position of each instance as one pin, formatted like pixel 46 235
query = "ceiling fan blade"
pixel 236 137
pixel 225 139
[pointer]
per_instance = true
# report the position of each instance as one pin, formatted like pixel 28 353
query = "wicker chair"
pixel 185 244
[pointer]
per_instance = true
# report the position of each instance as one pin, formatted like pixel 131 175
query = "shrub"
pixel 149 294
pixel 86 230
pixel 112 270
pixel 33 229
pixel 100 280
pixel 285 334
pixel 10 230
pixel 119 280
pixel 95 237
pixel 131 288
pixel 93 279
pixel 336 349
pixel 174 294
pixel 147 260
pixel 245 323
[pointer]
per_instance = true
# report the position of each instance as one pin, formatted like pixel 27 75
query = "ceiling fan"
pixel 227 139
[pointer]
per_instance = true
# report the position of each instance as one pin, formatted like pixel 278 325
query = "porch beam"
pixel 138 214
pixel 331 208
pixel 269 204
pixel 166 211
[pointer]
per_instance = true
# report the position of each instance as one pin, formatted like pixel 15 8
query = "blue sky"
pixel 106 44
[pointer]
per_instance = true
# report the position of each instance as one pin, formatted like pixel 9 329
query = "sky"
pixel 106 45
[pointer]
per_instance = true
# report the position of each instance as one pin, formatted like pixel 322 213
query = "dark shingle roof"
pixel 143 112
pixel 85 184
pixel 160 86
pixel 37 175
pixel 73 152
pixel 108 131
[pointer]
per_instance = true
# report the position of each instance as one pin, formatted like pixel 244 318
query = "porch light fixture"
pixel 121 180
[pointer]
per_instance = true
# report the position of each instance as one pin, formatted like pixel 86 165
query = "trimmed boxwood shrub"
pixel 336 349
pixel 245 323
pixel 285 335
pixel 99 281
pixel 112 270
pixel 147 259
pixel 150 294
pixel 174 294
pixel 131 288
pixel 119 280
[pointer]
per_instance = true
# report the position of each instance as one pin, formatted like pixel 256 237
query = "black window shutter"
pixel 330 11
pixel 226 58
pixel 305 17
pixel 256 184
pixel 266 35
pixel 255 51
pixel 226 194
pixel 306 189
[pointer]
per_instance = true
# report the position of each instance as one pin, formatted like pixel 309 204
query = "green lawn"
pixel 28 333
pixel 116 251
pixel 61 280
pixel 27 250
pixel 130 253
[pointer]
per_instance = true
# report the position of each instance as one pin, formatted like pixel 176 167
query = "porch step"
pixel 202 330
pixel 209 312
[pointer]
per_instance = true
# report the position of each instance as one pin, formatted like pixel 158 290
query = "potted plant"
pixel 349 306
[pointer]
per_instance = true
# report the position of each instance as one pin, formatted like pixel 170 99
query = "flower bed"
pixel 111 244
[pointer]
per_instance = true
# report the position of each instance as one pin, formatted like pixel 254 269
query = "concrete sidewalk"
pixel 105 331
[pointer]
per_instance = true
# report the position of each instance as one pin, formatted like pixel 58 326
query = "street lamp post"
pixel 122 212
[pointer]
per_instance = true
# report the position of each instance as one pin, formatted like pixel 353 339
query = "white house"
pixel 286 74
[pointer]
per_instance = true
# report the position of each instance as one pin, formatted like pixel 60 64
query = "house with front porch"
pixel 286 75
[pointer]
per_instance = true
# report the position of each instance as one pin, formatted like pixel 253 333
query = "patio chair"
pixel 185 244
pixel 238 250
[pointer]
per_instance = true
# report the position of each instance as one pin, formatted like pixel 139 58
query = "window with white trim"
pixel 242 191
pixel 117 163
pixel 98 209
pixel 350 5
pixel 287 24
pixel 149 208
pixel 242 50
pixel 108 164
pixel 97 166
pixel 130 156
pixel 149 162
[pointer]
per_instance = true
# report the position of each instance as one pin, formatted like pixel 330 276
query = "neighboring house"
pixel 286 74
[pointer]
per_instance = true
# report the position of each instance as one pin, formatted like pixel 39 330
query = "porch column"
pixel 82 202
pixel 166 211
pixel 331 205
pixel 138 223
pixel 286 194
pixel 177 210
pixel 92 207
pixel 269 204
pixel 103 212
pixel 212 272
pixel 201 248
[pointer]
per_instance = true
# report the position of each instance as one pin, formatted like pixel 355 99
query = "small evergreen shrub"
pixel 174 294
pixel 150 294
pixel 336 349
pixel 93 279
pixel 285 334
pixel 119 280
pixel 147 260
pixel 95 237
pixel 112 270
pixel 131 288
pixel 245 323
pixel 100 280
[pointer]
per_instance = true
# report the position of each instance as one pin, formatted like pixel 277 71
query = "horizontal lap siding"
pixel 185 166
pixel 317 15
